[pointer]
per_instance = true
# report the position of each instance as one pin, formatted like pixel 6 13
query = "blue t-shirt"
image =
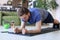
pixel 35 15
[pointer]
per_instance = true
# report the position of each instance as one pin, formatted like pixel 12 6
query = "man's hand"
pixel 16 30
pixel 24 31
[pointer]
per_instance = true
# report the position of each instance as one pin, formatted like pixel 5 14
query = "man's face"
pixel 25 17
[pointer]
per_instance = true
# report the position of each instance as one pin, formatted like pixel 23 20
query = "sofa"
pixel 9 16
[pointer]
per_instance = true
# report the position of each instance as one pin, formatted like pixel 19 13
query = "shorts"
pixel 49 19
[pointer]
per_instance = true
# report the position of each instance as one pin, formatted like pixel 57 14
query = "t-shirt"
pixel 37 14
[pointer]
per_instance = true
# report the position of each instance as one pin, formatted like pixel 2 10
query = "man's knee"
pixel 56 21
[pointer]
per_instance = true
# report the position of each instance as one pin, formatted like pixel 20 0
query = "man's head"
pixel 24 13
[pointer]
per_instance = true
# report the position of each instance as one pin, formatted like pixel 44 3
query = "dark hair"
pixel 22 11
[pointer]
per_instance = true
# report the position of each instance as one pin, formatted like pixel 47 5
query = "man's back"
pixel 37 14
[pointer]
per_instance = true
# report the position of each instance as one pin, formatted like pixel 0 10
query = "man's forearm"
pixel 33 31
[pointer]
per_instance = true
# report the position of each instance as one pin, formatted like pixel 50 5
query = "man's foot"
pixel 56 26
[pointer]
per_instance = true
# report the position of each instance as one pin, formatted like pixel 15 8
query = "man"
pixel 34 15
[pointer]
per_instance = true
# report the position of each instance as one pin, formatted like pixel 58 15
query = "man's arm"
pixel 37 30
pixel 23 24
pixel 18 30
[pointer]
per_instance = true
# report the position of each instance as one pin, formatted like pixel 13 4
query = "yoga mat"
pixel 43 31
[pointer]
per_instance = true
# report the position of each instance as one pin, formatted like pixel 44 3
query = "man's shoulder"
pixel 33 8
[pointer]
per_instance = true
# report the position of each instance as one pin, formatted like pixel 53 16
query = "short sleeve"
pixel 38 18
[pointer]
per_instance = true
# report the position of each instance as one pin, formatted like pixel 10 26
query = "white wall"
pixel 3 1
pixel 58 10
pixel 31 4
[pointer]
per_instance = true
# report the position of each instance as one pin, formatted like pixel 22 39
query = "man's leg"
pixel 50 19
pixel 56 24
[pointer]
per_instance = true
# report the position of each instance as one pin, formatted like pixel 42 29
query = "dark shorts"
pixel 49 19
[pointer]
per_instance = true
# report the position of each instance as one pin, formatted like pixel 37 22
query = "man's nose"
pixel 24 17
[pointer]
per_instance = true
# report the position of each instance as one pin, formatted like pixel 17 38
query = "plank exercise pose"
pixel 34 15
